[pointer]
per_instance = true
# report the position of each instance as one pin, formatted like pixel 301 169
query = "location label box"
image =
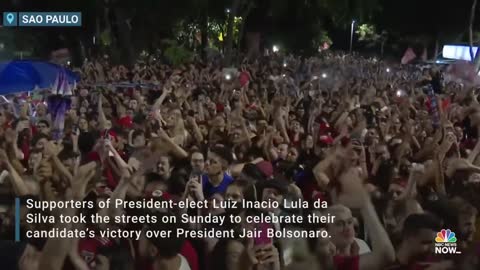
pixel 58 19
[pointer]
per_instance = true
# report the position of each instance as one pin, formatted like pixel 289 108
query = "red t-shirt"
pixel 111 178
pixel 346 262
pixel 190 255
pixel 297 142
pixel 126 122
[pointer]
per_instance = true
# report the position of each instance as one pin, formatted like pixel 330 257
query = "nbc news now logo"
pixel 446 242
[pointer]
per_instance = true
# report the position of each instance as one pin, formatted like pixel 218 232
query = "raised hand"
pixel 266 254
pixel 45 170
pixel 195 188
pixel 353 193
pixel 79 182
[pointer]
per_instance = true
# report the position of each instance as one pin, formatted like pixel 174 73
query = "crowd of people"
pixel 392 149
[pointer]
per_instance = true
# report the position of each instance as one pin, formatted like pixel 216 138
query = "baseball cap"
pixel 279 183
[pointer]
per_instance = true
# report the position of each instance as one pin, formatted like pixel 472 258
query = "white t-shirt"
pixel 184 263
pixel 364 248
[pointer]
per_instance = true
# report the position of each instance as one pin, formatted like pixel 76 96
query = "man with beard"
pixel 197 161
pixel 464 221
pixel 164 167
pixel 417 244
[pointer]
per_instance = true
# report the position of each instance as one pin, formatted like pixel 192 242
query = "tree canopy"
pixel 132 26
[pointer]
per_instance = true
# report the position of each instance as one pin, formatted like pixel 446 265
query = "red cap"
pixel 328 140
pixel 266 168
pixel 159 195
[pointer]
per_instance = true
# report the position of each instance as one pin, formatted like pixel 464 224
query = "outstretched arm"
pixel 354 195
pixel 102 119
pixel 57 249
pixel 18 184
pixel 174 148
pixel 411 189
pixel 383 252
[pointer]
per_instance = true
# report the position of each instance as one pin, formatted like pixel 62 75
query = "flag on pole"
pixel 408 56
pixel 59 103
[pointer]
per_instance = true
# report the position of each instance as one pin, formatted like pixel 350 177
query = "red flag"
pixel 408 56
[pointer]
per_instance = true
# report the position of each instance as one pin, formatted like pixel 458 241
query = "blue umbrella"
pixel 24 75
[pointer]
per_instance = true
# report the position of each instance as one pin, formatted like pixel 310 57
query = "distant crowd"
pixel 392 149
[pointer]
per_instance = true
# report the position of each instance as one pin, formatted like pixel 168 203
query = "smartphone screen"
pixel 262 238
pixel 197 175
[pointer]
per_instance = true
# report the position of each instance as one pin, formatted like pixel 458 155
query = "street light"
pixel 227 10
pixel 275 48
pixel 351 35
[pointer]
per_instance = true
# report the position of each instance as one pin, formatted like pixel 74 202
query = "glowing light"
pixel 227 10
pixel 388 69
pixel 401 93
pixel 324 75
pixel 275 48
pixel 284 64
pixel 228 77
